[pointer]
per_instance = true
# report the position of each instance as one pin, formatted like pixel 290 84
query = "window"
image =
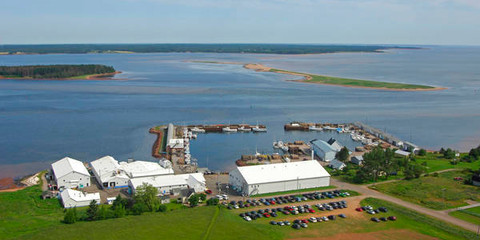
pixel 105 184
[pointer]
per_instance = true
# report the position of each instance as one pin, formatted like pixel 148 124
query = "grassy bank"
pixel 428 191
pixel 470 215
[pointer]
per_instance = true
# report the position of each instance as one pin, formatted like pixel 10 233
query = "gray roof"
pixel 324 146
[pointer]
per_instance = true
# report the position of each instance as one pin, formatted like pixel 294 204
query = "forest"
pixel 206 48
pixel 53 71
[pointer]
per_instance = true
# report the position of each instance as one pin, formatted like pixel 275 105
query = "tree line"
pixel 54 71
pixel 211 48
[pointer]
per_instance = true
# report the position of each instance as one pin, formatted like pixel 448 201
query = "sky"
pixel 417 22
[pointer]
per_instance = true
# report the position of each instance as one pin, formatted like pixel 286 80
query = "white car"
pixel 225 197
pixel 219 197
pixel 247 218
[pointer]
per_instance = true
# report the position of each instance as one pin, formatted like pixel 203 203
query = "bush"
pixel 139 208
pixel 193 200
pixel 422 152
pixel 70 216
pixel 162 208
pixel 119 211
pixel 202 196
pixel 103 213
pixel 435 174
pixel 212 201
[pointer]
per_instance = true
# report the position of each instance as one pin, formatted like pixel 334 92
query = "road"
pixel 442 215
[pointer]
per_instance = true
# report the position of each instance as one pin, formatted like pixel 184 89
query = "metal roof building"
pixel 73 198
pixel 258 179
pixel 169 183
pixel 70 173
pixel 113 174
pixel 324 150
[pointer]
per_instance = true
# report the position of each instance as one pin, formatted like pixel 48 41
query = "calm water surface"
pixel 43 121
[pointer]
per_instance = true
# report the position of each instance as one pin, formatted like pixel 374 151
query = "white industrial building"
pixel 169 183
pixel 70 173
pixel 324 151
pixel 259 179
pixel 113 174
pixel 73 198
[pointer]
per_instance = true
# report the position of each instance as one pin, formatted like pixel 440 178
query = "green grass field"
pixel 356 82
pixel 470 215
pixel 436 162
pixel 26 216
pixel 427 191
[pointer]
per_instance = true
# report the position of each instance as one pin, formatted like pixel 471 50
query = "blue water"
pixel 43 121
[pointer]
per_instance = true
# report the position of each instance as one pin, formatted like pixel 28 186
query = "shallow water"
pixel 43 121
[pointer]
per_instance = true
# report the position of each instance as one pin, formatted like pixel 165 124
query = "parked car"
pixel 304 225
pixel 273 222
pixel 374 219
pixel 383 209
pixel 247 218
pixel 208 191
pixel 332 217
pixel 286 223
pixel 280 223
pixel 342 215
pixel 392 218
pixel 383 219
pixel 296 226
pixel 312 219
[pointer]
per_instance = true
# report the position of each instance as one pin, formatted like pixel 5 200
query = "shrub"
pixel 92 211
pixel 422 152
pixel 70 216
pixel 212 201
pixel 119 211
pixel 435 174
pixel 139 208
pixel 162 208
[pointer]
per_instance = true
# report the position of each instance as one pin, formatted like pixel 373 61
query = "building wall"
pixel 73 180
pixel 69 203
pixel 287 185
pixel 325 156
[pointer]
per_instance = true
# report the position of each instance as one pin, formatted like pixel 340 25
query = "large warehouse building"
pixel 70 173
pixel 259 179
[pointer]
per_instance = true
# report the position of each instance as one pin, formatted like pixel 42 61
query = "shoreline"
pixel 93 77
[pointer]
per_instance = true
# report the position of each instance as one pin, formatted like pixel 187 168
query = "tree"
pixel 147 194
pixel 422 152
pixel 119 202
pixel 449 154
pixel 212 201
pixel 193 200
pixel 70 216
pixel 474 153
pixel 343 154
pixel 92 211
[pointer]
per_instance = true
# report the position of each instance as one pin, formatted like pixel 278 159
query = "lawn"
pixel 428 191
pixel 470 215
pixel 26 216
pixel 436 162
pixel 24 212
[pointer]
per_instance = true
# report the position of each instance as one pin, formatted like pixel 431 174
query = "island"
pixel 81 71
pixel 329 80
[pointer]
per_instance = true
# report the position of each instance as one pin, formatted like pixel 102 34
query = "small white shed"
pixel 73 198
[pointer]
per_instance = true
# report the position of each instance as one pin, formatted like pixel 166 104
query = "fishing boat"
pixel 244 129
pixel 315 128
pixel 197 130
pixel 329 128
pixel 228 129
pixel 284 148
pixel 259 129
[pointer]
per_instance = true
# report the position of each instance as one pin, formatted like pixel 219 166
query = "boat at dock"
pixel 315 128
pixel 259 129
pixel 228 129
pixel 244 129
pixel 197 130
pixel 329 128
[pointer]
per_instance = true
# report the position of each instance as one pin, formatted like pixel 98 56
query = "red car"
pixel 311 210
pixel 266 215
pixel 392 218
pixel 359 209
pixel 304 221
pixel 272 202
pixel 208 191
